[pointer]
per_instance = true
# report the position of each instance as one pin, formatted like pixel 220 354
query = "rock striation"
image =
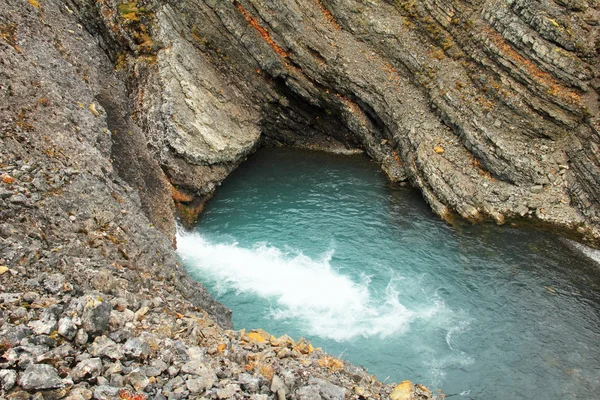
pixel 117 117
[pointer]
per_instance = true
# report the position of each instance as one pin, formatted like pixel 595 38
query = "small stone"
pixel 117 380
pixel 40 377
pixel 81 338
pixel 105 392
pixel 249 383
pixel 206 378
pixel 104 347
pixel 79 393
pixel 160 365
pixel 277 384
pixel 45 325
pixel 136 348
pixel 228 391
pixel 141 312
pixel 3 269
pixel 283 353
pixel 54 283
pixel 19 199
pixel 138 380
pixel 5 194
pixel 8 378
pixel 115 368
pixel 96 315
pixel 403 391
pixel 85 369
pixel 67 328
pixel 537 189
pixel 319 388
pixel 30 297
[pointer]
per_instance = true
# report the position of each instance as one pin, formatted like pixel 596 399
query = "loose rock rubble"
pixel 94 345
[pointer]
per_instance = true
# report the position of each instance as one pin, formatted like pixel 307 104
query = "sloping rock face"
pixel 490 108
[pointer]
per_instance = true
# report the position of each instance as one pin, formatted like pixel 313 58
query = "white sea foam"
pixel 324 301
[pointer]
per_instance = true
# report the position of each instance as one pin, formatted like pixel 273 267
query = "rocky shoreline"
pixel 58 342
pixel 117 117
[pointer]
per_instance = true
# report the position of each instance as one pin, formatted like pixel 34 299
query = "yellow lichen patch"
pixel 304 346
pixel 34 3
pixel 553 22
pixel 92 108
pixel 8 33
pixel 264 369
pixel 258 336
pixel 3 269
pixel 221 348
pixel 129 11
pixel 331 363
pixel 438 149
pixel 403 391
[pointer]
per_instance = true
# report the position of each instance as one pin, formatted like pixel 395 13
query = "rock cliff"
pixel 118 116
pixel 490 108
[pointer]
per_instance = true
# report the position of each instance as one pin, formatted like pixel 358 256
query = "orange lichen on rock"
pixel 331 363
pixel 180 196
pixel 9 180
pixel 265 35
pixel 328 15
pixel 124 394
pixel 541 77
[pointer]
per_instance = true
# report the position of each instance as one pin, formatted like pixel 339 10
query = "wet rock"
pixel 86 369
pixel 40 377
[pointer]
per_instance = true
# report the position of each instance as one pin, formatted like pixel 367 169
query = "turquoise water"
pixel 317 245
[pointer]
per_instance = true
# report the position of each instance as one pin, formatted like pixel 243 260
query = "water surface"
pixel 317 245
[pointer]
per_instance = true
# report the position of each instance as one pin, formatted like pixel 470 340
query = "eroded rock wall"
pixel 489 107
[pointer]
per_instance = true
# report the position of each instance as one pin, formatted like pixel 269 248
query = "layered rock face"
pixel 490 108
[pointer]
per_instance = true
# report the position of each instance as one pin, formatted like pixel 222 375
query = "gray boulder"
pixel 40 377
